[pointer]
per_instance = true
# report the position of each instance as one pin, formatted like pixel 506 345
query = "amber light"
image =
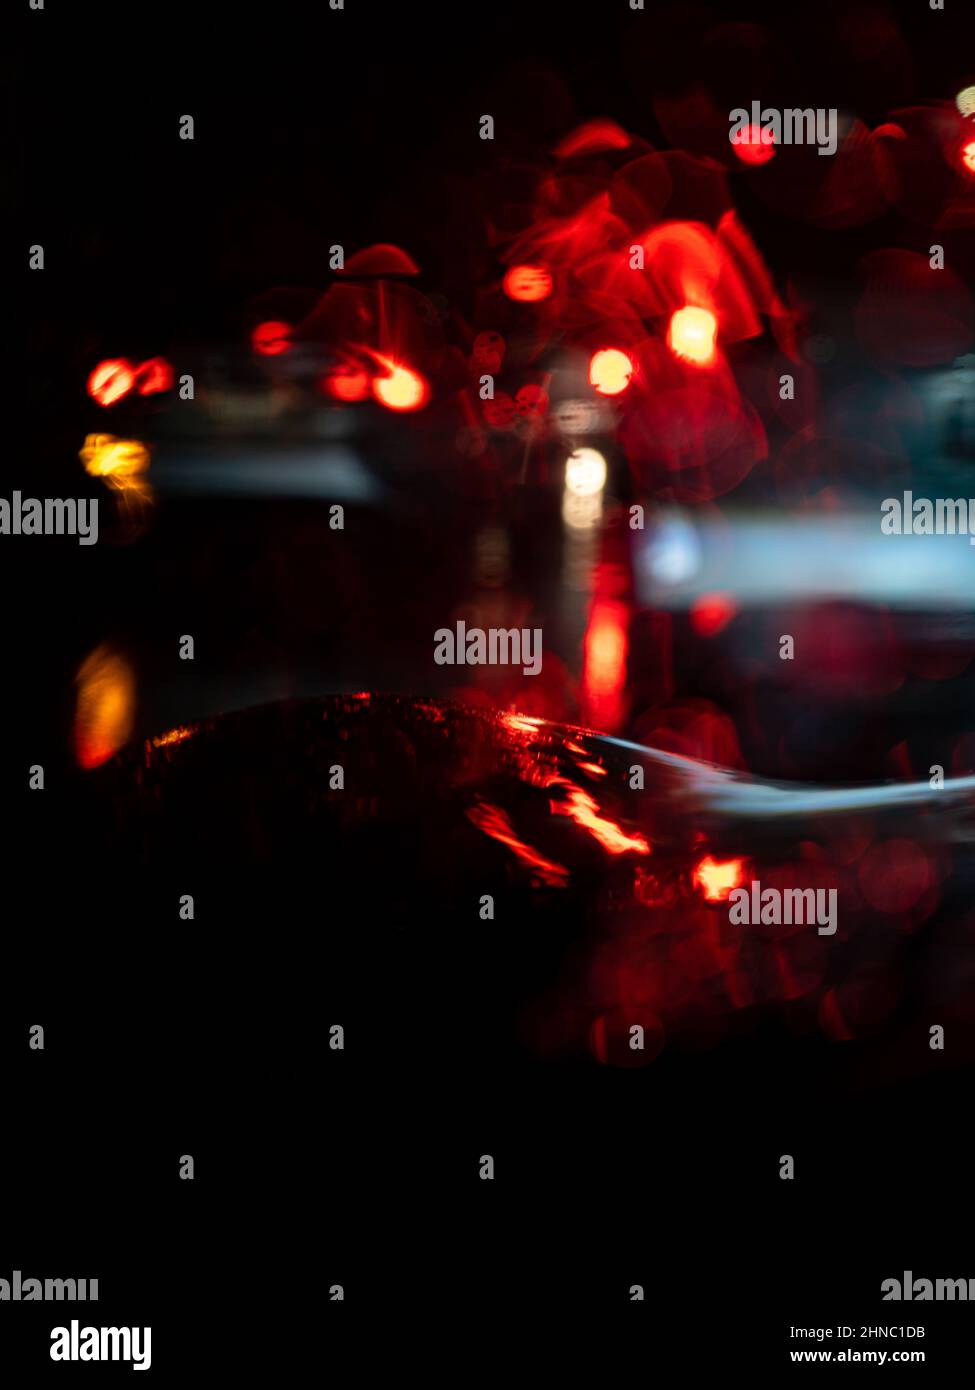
pixel 105 707
pixel 528 283
pixel 716 878
pixel 610 370
pixel 104 456
pixel 968 156
pixel 692 333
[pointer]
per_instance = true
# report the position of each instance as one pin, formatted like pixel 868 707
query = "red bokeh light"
pixel 154 376
pixel 968 156
pixel 754 145
pixel 271 339
pixel 111 381
pixel 604 663
pixel 711 613
pixel 528 283
pixel 610 371
pixel 347 384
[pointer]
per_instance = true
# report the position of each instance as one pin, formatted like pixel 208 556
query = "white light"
pixel 585 472
pixel 581 513
pixel 673 553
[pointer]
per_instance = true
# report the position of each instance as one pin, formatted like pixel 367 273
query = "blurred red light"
pixel 111 381
pixel 610 371
pixel 968 156
pixel 271 339
pixel 153 376
pixel 691 334
pixel 711 613
pixel 347 384
pixel 754 145
pixel 528 283
pixel 604 664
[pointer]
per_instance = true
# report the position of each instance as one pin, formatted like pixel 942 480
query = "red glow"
pixel 401 389
pixel 528 283
pixel 968 156
pixel 585 812
pixel 711 613
pixel 595 135
pixel 272 338
pixel 381 259
pixel 494 822
pixel 611 1034
pixel 111 380
pixel 894 874
pixel 754 145
pixel 520 723
pixel 154 376
pixel 716 878
pixel 347 384
pixel 610 371
pixel 604 663
pixel 691 335
pixel 500 412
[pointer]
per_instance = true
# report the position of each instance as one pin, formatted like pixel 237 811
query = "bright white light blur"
pixel 965 101
pixel 673 553
pixel 581 513
pixel 585 472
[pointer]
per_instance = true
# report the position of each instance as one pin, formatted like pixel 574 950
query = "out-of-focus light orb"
pixel 717 877
pixel 154 376
pixel 111 381
pixel 968 156
pixel 402 389
pixel 610 371
pixel 528 283
pixel 347 384
pixel 673 553
pixel 581 513
pixel 754 145
pixel 965 101
pixel 585 472
pixel 105 707
pixel 692 333
pixel 271 339
pixel 104 456
pixel 711 613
